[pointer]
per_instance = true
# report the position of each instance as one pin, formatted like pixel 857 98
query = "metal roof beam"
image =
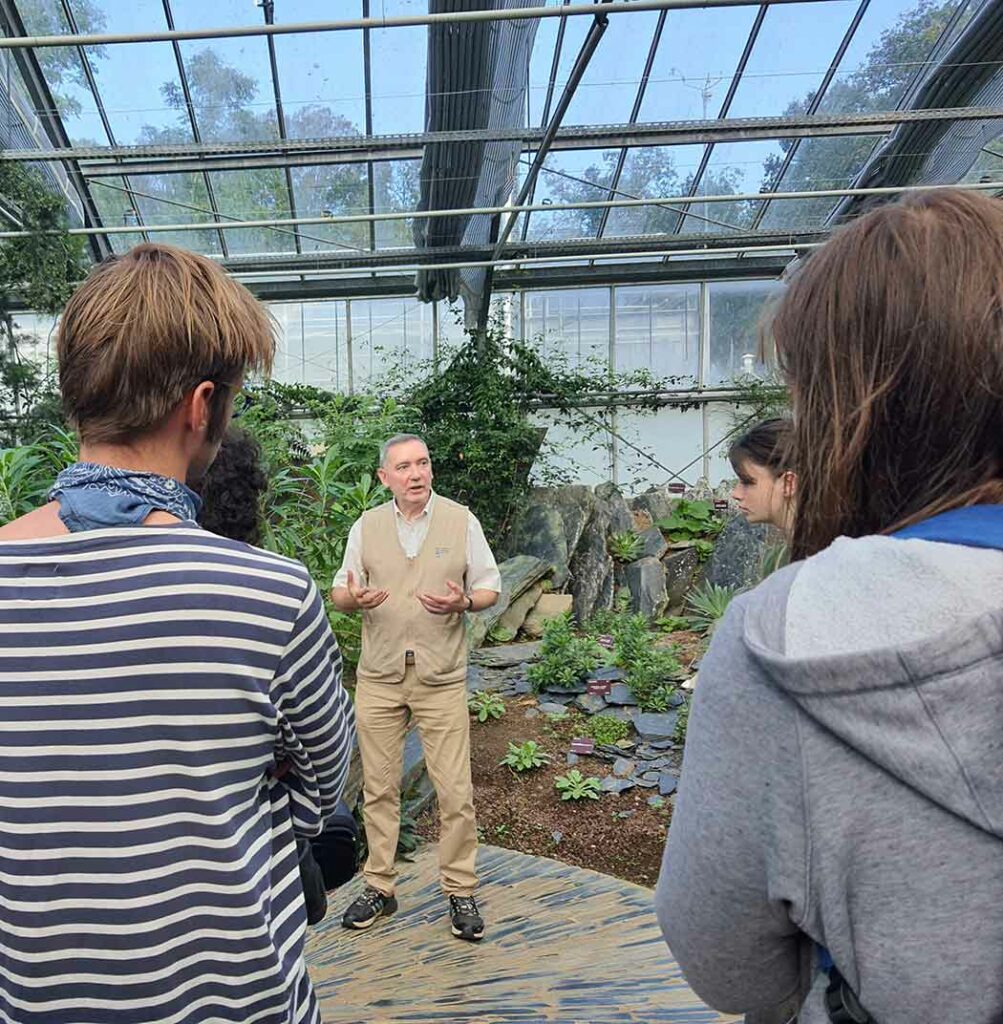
pixel 398 21
pixel 356 149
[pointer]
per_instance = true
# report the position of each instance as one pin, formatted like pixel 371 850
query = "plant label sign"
pixel 677 488
pixel 582 745
pixel 600 687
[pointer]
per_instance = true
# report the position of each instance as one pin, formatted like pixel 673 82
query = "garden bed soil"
pixel 619 835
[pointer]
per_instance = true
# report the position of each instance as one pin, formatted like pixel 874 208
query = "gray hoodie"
pixel 843 785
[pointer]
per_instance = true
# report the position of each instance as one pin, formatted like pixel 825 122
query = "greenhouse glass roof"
pixel 294 140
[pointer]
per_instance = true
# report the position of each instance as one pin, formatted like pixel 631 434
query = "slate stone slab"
pixel 624 768
pixel 539 531
pixel 680 567
pixel 506 656
pixel 549 707
pixel 614 785
pixel 667 784
pixel 523 686
pixel 532 713
pixel 620 694
pixel 603 675
pixel 565 690
pixel 571 758
pixel 656 503
pixel 654 543
pixel 590 703
pixel 518 575
pixel 644 782
pixel 654 726
pixel 677 699
pixel 561 698
pixel 547 608
pixel 506 629
pixel 738 553
pixel 646 582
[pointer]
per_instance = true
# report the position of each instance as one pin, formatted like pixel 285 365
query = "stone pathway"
pixel 564 946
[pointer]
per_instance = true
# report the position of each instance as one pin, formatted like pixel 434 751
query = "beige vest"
pixel 401 623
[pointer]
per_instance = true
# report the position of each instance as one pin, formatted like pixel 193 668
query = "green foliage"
pixel 43 269
pixel 625 547
pixel 565 657
pixel 774 557
pixel 575 786
pixel 28 472
pixel 606 730
pixel 484 705
pixel 649 669
pixel 708 603
pixel 477 415
pixel 524 757
pixel 673 624
pixel 690 521
pixel 682 721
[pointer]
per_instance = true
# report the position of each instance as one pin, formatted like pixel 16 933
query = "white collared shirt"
pixel 482 570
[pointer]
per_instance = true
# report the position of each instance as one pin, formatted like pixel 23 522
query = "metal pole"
pixel 397 21
pixel 350 357
pixel 597 204
pixel 704 373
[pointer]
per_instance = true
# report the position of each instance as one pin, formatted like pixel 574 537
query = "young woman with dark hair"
pixel 761 459
pixel 837 841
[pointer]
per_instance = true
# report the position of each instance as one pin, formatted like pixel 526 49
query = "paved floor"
pixel 564 946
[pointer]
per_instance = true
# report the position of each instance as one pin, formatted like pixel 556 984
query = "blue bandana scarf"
pixel 93 497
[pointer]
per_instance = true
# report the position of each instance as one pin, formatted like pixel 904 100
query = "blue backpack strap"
pixel 978 526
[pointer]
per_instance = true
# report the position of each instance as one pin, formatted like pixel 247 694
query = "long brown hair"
pixel 891 338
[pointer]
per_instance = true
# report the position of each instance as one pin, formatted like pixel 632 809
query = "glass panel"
pixel 695 63
pixel 658 328
pixel 569 327
pixel 582 176
pixel 332 189
pixel 35 334
pixel 736 310
pixel 540 62
pixel 671 439
pixel 656 171
pixel 734 167
pixel 565 452
pixel 312 346
pixel 612 76
pixel 889 48
pixel 176 199
pixel 398 69
pixel 780 77
pixel 397 187
pixel 115 210
pixel 254 195
pixel 820 163
pixel 989 163
pixel 387 334
pixel 321 75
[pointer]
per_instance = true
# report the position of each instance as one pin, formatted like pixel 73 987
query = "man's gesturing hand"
pixel 365 597
pixel 454 601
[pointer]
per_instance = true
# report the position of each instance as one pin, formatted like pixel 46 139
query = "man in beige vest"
pixel 413 567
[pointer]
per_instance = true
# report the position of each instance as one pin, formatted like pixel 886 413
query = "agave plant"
pixel 707 605
pixel 24 480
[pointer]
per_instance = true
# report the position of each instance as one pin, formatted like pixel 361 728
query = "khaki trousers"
pixel 382 712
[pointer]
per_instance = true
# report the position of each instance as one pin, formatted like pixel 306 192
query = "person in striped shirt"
pixel 153 678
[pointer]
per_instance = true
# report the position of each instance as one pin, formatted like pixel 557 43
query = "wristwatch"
pixel 470 603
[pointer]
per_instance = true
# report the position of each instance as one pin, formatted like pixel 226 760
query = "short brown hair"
pixel 146 328
pixel 891 338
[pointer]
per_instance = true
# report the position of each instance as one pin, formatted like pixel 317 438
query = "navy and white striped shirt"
pixel 150 677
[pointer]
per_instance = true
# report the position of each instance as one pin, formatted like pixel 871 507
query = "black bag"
pixel 328 861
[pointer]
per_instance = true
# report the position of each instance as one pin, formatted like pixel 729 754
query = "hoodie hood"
pixel 896 648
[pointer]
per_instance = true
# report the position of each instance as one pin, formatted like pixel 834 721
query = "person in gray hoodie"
pixel 841 800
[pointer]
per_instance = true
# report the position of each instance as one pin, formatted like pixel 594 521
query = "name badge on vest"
pixel 441 552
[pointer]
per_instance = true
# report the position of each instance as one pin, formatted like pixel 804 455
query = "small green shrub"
pixel 708 603
pixel 575 786
pixel 649 669
pixel 484 705
pixel 625 547
pixel 565 658
pixel 673 623
pixel 523 757
pixel 691 520
pixel 606 730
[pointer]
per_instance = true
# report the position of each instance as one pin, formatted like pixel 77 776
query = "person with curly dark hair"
pixel 233 489
pixel 232 493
